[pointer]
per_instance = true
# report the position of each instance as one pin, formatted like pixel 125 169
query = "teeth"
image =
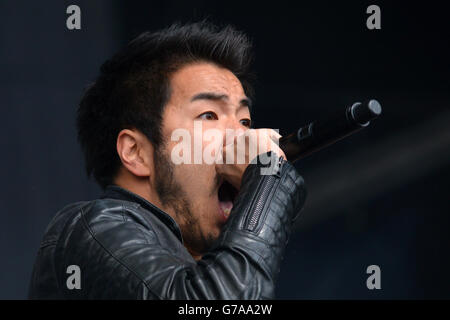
pixel 227 212
pixel 226 207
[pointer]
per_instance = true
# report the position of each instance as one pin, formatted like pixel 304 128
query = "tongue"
pixel 226 206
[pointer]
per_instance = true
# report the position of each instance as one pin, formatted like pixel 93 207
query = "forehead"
pixel 205 77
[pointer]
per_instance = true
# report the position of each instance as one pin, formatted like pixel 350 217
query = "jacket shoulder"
pixel 97 238
pixel 92 220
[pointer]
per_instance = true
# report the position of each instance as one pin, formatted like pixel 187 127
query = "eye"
pixel 246 122
pixel 208 116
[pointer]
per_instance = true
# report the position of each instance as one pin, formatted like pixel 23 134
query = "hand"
pixel 243 149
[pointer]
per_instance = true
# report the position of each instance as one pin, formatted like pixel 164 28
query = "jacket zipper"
pixel 258 204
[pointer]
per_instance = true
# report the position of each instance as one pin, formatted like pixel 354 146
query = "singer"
pixel 163 230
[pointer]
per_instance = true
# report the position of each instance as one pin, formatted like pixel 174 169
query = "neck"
pixel 197 256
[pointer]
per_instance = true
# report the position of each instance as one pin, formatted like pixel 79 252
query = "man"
pixel 163 230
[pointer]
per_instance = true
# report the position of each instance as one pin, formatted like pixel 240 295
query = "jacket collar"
pixel 116 192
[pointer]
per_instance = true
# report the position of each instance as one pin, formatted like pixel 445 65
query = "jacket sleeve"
pixel 243 264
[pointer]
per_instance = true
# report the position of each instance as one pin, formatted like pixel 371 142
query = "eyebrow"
pixel 217 96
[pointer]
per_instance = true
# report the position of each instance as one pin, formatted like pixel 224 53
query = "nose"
pixel 233 127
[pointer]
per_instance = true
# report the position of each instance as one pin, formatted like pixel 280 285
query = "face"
pixel 198 198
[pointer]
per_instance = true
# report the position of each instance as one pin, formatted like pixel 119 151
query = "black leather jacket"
pixel 127 248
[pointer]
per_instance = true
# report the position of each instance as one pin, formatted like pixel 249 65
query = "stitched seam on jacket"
pixel 261 258
pixel 210 265
pixel 259 261
pixel 113 256
pixel 253 280
pixel 134 224
pixel 123 211
pixel 46 244
pixel 151 226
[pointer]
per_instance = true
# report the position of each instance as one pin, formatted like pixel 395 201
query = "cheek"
pixel 196 180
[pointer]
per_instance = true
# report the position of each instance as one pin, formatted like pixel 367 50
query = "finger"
pixel 274 147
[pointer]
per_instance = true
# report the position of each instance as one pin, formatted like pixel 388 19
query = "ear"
pixel 135 152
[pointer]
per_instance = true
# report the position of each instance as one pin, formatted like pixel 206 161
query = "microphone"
pixel 322 133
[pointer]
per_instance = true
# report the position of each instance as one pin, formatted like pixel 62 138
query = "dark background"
pixel 379 197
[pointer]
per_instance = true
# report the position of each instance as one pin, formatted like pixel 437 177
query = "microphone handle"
pixel 322 133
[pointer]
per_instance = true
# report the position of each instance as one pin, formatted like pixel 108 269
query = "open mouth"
pixel 227 194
